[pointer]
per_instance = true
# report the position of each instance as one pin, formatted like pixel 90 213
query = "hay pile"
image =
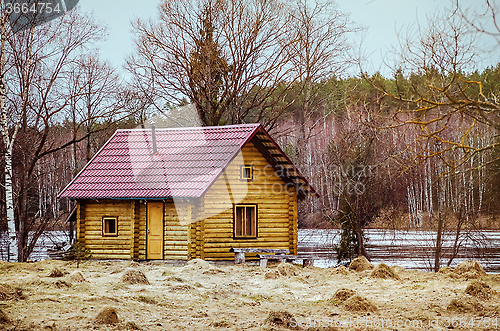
pixel 181 288
pixel 341 270
pixel 202 266
pixel 464 304
pixel 448 272
pixel 360 264
pixel 8 292
pixel 133 264
pixel 321 328
pixel 384 271
pixel 342 295
pixel 272 274
pixel 62 284
pixel 107 315
pixel 4 319
pixel 221 323
pixel 283 270
pixel 287 269
pixel 176 279
pixel 445 270
pixel 76 277
pixel 470 270
pixel 281 319
pixel 133 276
pixel 479 290
pixel 357 303
pixel 56 273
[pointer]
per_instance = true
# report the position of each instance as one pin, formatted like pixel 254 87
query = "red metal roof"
pixel 187 162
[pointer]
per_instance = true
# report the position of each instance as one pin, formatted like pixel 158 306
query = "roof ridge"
pixel 248 125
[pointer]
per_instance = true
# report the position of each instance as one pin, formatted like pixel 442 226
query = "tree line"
pixel 418 148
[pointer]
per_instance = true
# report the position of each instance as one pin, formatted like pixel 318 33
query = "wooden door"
pixel 155 231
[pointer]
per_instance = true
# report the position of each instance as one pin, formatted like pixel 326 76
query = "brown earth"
pixel 203 296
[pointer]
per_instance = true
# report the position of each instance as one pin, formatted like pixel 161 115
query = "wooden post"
pixel 263 263
pixel 200 230
pixel 293 221
pixel 80 219
pixel 134 211
pixel 308 263
pixel 188 225
pixel 142 231
pixel 202 241
pixel 239 257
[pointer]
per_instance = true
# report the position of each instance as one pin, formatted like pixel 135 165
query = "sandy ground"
pixel 204 296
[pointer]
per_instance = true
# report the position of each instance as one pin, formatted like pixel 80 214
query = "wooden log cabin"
pixel 187 193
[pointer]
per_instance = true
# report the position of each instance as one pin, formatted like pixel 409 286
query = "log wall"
pixel 201 228
pixel 276 205
pixel 90 228
pixel 176 222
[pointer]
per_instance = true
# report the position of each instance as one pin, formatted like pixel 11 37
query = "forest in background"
pixel 415 149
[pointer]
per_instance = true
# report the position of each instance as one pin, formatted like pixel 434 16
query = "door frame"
pixel 162 228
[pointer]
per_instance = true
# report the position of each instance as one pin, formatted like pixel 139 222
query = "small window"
pixel 245 221
pixel 110 226
pixel 246 173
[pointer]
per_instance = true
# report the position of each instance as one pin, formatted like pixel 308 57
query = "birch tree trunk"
pixel 9 193
pixel 8 144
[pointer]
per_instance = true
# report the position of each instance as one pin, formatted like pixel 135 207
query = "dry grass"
pixel 4 319
pixel 176 279
pixel 131 326
pixel 9 292
pixel 62 284
pixel 56 273
pixel 76 278
pixel 281 319
pixel 238 298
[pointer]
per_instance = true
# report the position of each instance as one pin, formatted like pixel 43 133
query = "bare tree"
pixel 96 88
pixel 230 58
pixel 435 85
pixel 451 206
pixel 441 97
pixel 321 53
pixel 483 19
pixel 37 64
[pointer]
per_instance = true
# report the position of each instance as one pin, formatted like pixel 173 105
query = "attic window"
pixel 110 226
pixel 246 173
pixel 245 221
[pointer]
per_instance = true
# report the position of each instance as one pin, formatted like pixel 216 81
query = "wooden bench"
pixel 239 253
pixel 307 261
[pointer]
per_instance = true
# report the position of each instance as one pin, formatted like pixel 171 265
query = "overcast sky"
pixel 382 18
